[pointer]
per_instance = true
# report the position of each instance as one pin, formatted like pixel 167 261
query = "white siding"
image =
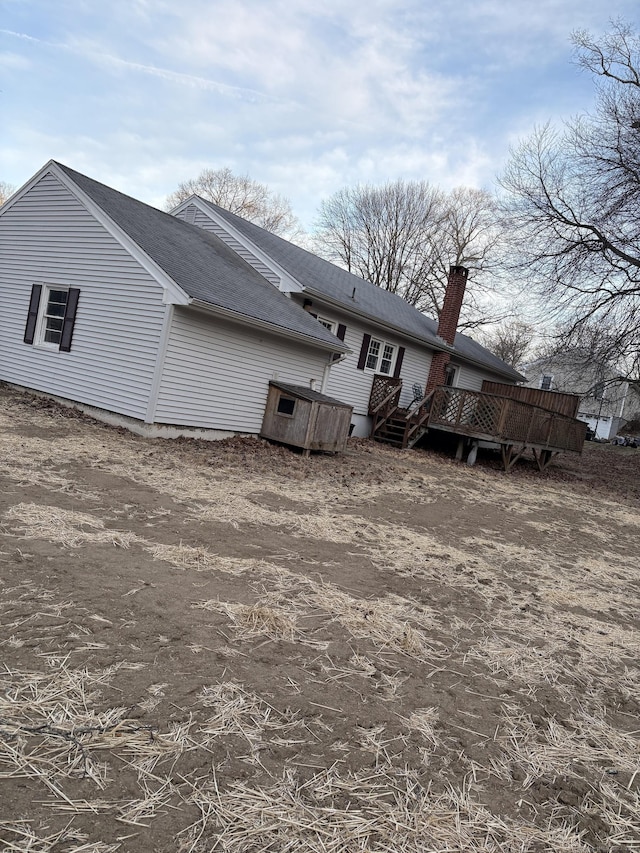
pixel 216 374
pixel 471 378
pixel 195 216
pixel 49 237
pixel 353 386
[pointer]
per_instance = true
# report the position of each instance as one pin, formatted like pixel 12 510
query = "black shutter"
pixel 366 340
pixel 32 316
pixel 399 359
pixel 342 331
pixel 69 319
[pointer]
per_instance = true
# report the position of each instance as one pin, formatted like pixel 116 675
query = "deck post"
pixel 460 449
pixel 473 453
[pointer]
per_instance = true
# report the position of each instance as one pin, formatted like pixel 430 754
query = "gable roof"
pixel 202 265
pixel 354 294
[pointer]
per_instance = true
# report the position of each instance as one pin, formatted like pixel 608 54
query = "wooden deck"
pixel 474 416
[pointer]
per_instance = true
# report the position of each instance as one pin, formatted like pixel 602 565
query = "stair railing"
pixel 383 410
pixel 417 417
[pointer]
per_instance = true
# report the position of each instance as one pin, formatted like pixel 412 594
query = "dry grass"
pixel 385 750
pixel 381 810
pixel 256 619
pixel 67 527
pixel 23 838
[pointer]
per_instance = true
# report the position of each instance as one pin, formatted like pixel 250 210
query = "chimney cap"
pixel 458 270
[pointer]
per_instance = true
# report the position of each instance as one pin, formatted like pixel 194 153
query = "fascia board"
pixel 173 294
pixel 245 320
pixel 293 285
pixel 26 187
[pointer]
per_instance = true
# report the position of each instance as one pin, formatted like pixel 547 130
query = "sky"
pixel 307 96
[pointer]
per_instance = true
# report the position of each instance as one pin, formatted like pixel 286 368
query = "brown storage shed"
pixel 305 418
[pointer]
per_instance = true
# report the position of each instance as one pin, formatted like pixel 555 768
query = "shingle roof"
pixel 326 279
pixel 308 394
pixel 202 264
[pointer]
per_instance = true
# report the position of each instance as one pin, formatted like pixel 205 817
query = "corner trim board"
pixel 163 345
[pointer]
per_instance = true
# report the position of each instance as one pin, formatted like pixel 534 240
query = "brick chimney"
pixel 448 324
pixel 453 296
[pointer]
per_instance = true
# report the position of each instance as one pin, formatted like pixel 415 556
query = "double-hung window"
pixel 546 382
pixel 51 316
pixel 328 324
pixel 381 356
pixel 55 306
pixel 450 374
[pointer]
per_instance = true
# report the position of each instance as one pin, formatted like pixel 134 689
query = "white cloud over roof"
pixel 304 96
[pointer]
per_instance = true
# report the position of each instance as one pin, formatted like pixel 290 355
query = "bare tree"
pixel 469 235
pixel 573 203
pixel 404 235
pixel 6 191
pixel 242 195
pixel 511 341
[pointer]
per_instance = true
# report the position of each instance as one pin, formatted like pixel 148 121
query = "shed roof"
pixel 201 264
pixel 309 394
pixel 322 277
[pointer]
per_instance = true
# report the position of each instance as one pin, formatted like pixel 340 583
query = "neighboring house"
pixel 115 305
pixel 607 400
pixel 384 334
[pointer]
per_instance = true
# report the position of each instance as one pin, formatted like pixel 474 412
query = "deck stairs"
pixel 392 424
pixel 512 424
pixel 392 430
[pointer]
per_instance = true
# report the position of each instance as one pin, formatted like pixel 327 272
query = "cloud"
pixel 306 96
pixel 14 62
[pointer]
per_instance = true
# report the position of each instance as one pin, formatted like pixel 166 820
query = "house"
pixel 383 333
pixel 119 307
pixel 166 323
pixel 607 400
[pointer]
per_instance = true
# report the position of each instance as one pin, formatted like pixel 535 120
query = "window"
pixel 286 406
pixel 598 390
pixel 51 316
pixel 380 356
pixel 328 324
pixel 55 306
pixel 450 375
pixel 546 382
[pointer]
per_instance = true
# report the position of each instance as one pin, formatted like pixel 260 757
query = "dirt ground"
pixel 227 646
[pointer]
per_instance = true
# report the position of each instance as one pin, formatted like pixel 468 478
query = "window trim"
pixel 36 325
pixel 330 325
pixel 41 325
pixel 452 370
pixel 380 356
pixel 548 376
pixel 289 399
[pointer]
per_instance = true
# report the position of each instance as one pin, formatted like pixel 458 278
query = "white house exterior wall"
pixel 471 378
pixel 195 216
pixel 216 374
pixel 49 237
pixel 353 386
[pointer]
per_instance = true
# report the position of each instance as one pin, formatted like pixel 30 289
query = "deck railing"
pixel 385 394
pixel 384 400
pixel 504 420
